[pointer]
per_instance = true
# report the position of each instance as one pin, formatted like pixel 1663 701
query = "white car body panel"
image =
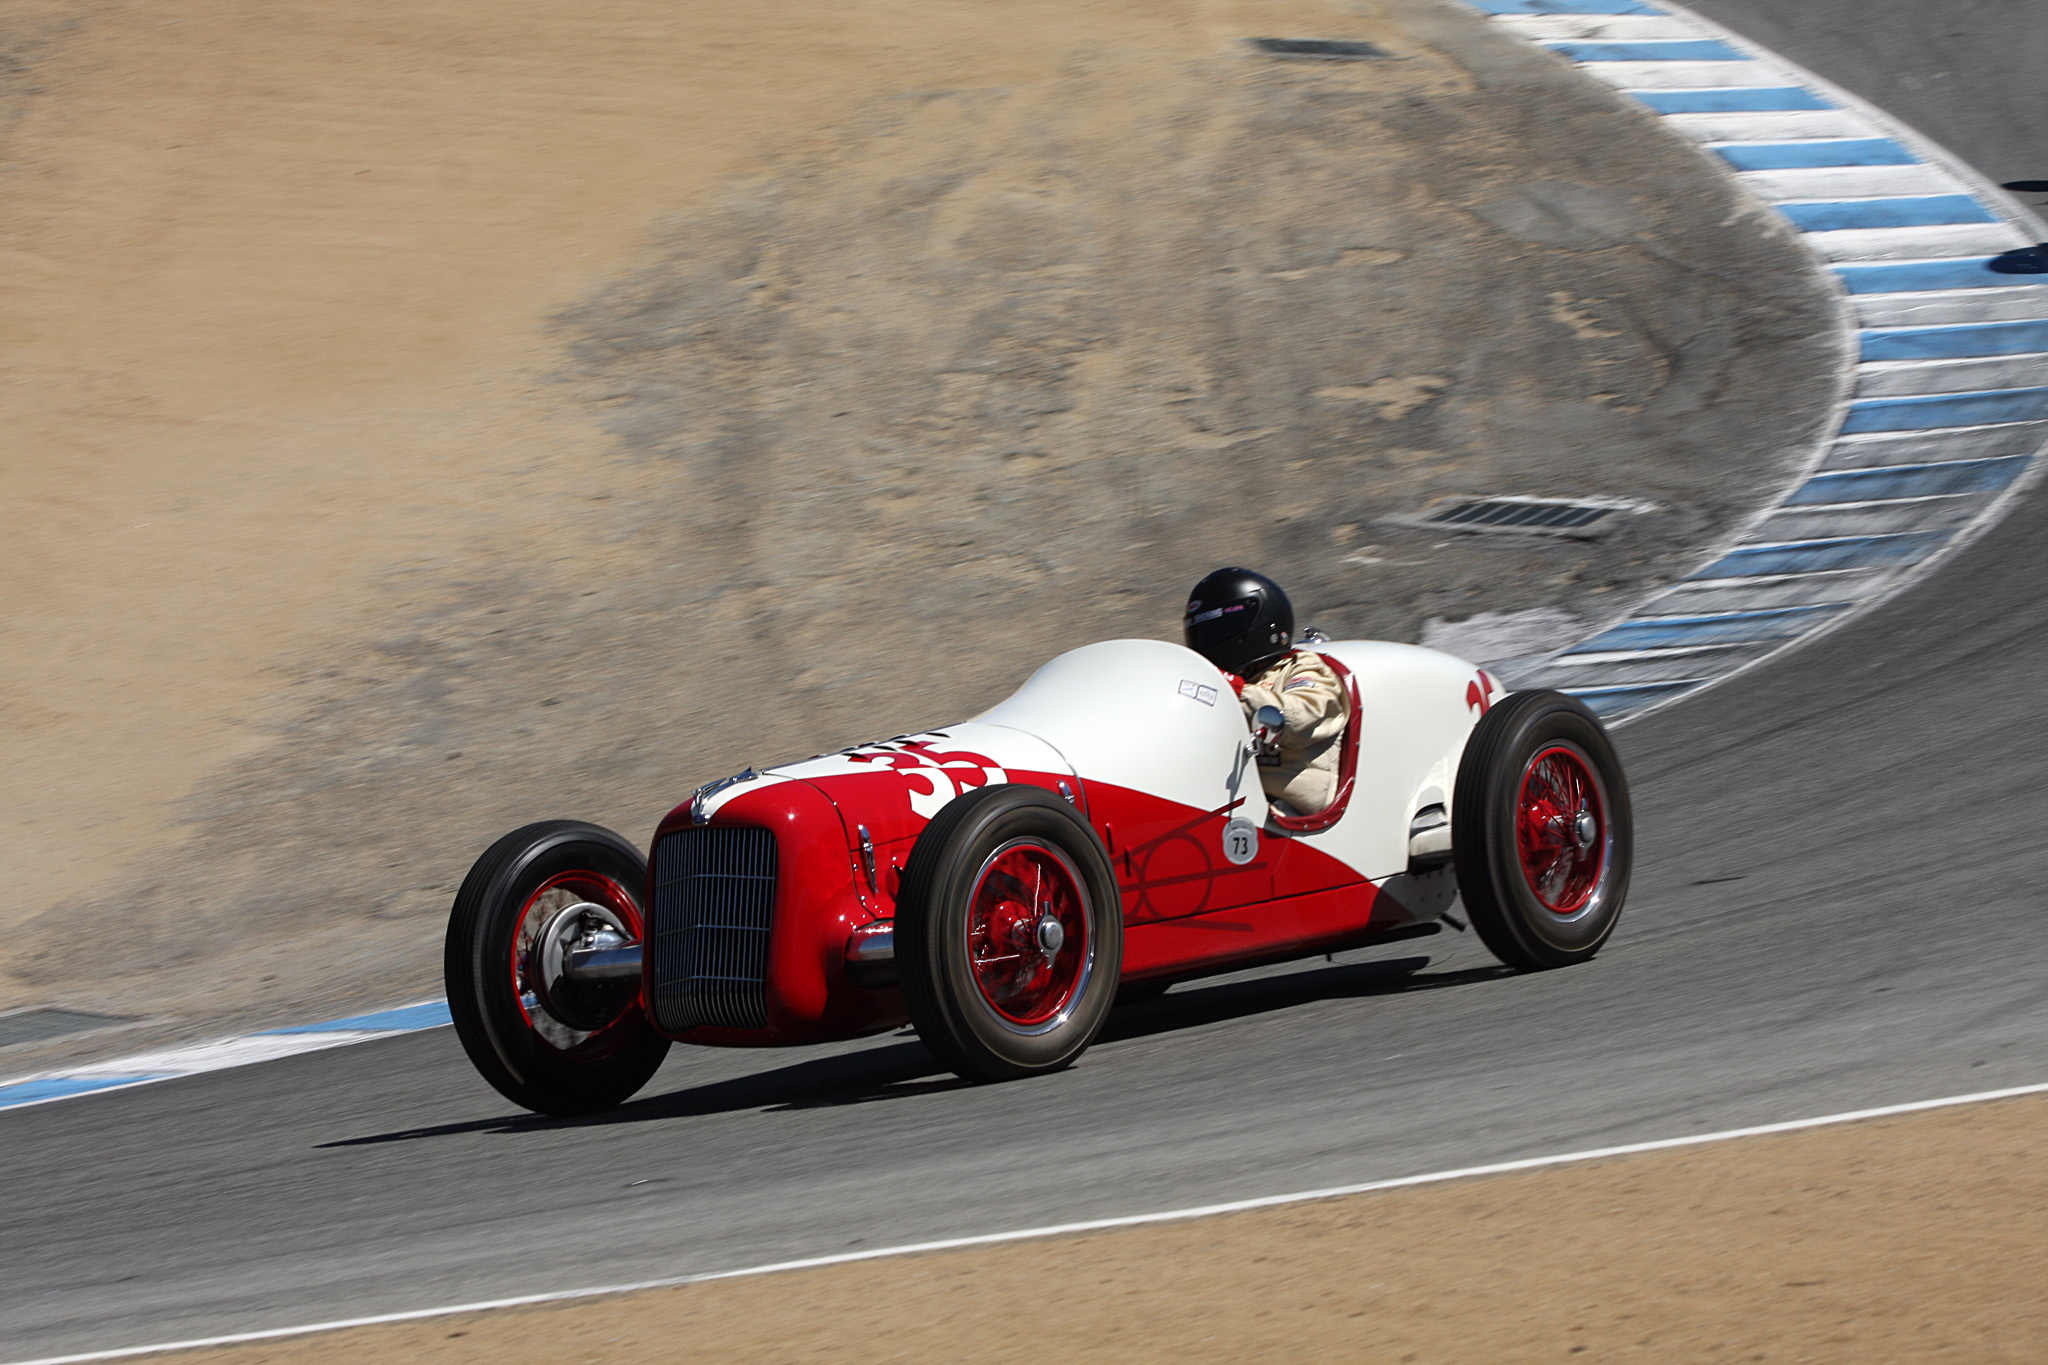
pixel 1150 716
pixel 1139 714
pixel 1157 718
pixel 1416 708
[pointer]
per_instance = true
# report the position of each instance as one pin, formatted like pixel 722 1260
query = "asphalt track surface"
pixel 1838 904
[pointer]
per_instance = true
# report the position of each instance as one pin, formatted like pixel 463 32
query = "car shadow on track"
pixel 1193 1006
pixel 905 1070
pixel 899 1069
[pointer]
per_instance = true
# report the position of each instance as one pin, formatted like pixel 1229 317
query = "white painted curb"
pixel 193 1059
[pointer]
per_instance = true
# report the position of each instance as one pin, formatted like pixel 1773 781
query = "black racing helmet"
pixel 1239 620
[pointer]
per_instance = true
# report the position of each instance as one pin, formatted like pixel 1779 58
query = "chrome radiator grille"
pixel 714 905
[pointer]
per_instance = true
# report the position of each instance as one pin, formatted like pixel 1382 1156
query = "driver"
pixel 1243 623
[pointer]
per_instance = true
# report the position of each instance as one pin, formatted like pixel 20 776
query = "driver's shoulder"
pixel 1301 666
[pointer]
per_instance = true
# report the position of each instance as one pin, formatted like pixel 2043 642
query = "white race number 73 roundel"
pixel 1240 841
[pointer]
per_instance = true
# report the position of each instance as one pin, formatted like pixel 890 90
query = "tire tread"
pixel 1487 862
pixel 921 972
pixel 507 1055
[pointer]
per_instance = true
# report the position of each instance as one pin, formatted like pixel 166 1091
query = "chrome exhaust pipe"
pixel 600 965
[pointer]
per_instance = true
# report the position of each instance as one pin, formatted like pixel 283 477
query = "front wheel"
pixel 545 1042
pixel 1009 934
pixel 1541 831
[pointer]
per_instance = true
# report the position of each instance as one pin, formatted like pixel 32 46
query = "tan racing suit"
pixel 1304 772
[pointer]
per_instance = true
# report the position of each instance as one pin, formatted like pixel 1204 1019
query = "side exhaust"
pixel 602 965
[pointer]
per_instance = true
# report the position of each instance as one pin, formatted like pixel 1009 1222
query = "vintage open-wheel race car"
pixel 998 882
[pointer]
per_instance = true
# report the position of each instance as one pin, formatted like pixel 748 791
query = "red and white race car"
pixel 996 883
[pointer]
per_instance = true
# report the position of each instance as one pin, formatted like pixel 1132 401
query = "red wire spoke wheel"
pixel 1541 831
pixel 1560 829
pixel 1027 933
pixel 1009 934
pixel 544 1042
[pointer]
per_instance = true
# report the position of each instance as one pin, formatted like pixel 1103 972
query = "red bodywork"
pixel 1187 911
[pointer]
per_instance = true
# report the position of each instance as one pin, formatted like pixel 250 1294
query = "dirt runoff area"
pixel 424 418
pixel 1914 1239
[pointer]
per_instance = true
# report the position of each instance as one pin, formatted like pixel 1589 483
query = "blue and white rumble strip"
pixel 1950 405
pixel 194 1058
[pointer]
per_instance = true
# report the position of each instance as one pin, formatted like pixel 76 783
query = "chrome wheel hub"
pixel 581 925
pixel 1050 935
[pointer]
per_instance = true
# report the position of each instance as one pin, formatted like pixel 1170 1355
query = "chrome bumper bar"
pixel 871 955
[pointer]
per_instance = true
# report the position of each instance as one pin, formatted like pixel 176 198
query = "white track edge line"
pixel 1267 1201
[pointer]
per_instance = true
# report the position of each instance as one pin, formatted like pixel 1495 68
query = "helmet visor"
pixel 1207 628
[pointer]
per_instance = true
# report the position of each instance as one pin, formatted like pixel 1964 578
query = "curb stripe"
pixel 1860 245
pixel 1832 151
pixel 1956 342
pixel 2008 302
pixel 1739 627
pixel 1910 481
pixel 1966 374
pixel 1733 100
pixel 1912 277
pixel 1920 210
pixel 1813 556
pixel 1678 75
pixel 1919 447
pixel 1927 412
pixel 1682 50
pixel 1805 126
pixel 1845 182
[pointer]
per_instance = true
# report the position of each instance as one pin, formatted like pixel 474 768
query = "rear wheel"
pixel 1009 934
pixel 545 1042
pixel 1541 831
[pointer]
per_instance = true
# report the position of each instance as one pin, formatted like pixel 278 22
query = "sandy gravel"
pixel 276 282
pixel 1915 1239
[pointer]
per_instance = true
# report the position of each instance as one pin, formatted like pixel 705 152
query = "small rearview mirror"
pixel 1269 718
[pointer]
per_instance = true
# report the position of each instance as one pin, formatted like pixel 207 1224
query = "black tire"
pixel 953 899
pixel 525 1050
pixel 1553 900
